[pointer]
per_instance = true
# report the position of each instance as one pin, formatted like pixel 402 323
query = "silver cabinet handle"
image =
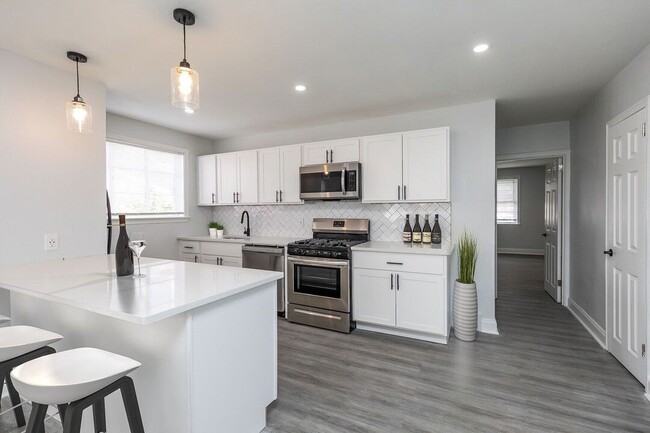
pixel 344 174
pixel 327 156
pixel 397 278
pixel 391 281
pixel 312 313
pixel 276 197
pixel 399 193
pixel 280 196
pixel 212 198
pixel 394 263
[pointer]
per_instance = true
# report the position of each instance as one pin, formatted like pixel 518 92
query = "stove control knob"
pixel 326 254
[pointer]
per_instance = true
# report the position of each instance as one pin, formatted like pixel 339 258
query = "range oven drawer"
pixel 320 318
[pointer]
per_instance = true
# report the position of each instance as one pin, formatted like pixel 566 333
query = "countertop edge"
pixel 447 251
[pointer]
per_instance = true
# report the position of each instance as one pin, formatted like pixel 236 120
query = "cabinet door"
pixel 231 261
pixel 373 297
pixel 426 165
pixel 210 260
pixel 381 156
pixel 247 177
pixel 187 257
pixel 421 303
pixel 268 163
pixel 290 162
pixel 315 153
pixel 207 179
pixel 344 150
pixel 227 177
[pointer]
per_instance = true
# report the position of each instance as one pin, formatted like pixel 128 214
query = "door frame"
pixel 565 154
pixel 644 103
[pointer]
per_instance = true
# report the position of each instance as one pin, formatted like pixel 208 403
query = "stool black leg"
pixel 62 408
pixel 99 416
pixel 37 419
pixel 72 423
pixel 15 401
pixel 131 406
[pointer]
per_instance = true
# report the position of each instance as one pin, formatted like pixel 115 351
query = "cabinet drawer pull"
pixel 395 263
pixel 189 248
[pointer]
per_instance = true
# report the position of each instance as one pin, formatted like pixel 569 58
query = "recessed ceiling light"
pixel 300 88
pixel 189 111
pixel 481 48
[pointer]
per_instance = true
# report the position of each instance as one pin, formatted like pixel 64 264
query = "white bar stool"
pixel 20 344
pixel 75 380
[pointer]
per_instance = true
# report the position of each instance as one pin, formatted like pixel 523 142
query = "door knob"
pixel 609 252
pixel 544 234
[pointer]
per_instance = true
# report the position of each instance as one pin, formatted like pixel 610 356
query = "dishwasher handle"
pixel 263 250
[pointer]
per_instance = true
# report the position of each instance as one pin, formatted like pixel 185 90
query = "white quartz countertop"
pixel 258 240
pixel 401 247
pixel 169 288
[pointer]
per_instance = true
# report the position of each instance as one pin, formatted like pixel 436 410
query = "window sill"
pixel 137 220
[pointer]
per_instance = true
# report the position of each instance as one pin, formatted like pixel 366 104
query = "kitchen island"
pixel 206 335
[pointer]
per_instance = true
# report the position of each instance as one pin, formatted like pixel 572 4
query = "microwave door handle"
pixel 344 174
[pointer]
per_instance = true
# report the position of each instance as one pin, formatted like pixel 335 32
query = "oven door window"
pixel 317 281
pixel 320 182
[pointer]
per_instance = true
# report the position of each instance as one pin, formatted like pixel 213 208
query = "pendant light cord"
pixel 184 43
pixel 77 62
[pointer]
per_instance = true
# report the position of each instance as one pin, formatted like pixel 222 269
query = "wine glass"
pixel 137 245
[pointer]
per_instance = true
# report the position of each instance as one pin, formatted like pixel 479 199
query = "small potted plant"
pixel 215 229
pixel 465 298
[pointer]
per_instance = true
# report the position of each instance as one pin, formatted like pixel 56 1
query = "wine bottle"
pixel 123 254
pixel 426 230
pixel 407 234
pixel 417 230
pixel 436 234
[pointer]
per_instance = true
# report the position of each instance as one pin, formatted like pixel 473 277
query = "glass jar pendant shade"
pixel 184 79
pixel 78 113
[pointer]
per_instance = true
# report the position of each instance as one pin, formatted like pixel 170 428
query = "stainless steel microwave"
pixel 340 181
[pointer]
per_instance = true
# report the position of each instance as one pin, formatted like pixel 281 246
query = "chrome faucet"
pixel 247 232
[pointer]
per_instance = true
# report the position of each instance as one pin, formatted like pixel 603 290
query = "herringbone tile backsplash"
pixel 386 220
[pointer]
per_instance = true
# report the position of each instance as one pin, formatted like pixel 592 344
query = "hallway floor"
pixel 543 373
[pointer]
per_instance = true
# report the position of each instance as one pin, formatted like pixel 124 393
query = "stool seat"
pixel 20 340
pixel 69 376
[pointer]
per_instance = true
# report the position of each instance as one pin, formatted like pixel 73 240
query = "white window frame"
pixel 153 219
pixel 518 207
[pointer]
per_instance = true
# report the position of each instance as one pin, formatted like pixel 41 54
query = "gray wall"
pixel 629 86
pixel 527 234
pixel 472 180
pixel 161 236
pixel 51 180
pixel 533 138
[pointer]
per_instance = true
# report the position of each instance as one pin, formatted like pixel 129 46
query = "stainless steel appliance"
pixel 266 258
pixel 340 181
pixel 319 283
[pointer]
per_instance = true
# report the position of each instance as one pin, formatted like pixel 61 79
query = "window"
pixel 508 200
pixel 142 181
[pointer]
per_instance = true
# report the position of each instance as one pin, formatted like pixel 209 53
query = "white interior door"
pixel 552 233
pixel 626 243
pixel 269 175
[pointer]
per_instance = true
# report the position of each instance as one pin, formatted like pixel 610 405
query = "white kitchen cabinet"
pixel 207 180
pixel 211 252
pixel 237 178
pixel 189 257
pixel 331 151
pixel 400 293
pixel 406 167
pixel 231 261
pixel 373 297
pixel 279 174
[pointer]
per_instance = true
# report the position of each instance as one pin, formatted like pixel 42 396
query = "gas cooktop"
pixel 329 248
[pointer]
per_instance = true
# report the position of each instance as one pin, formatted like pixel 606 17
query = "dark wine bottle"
pixel 426 230
pixel 436 234
pixel 417 230
pixel 407 234
pixel 123 254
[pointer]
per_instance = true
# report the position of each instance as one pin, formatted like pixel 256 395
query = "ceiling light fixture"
pixel 300 88
pixel 185 80
pixel 79 115
pixel 481 48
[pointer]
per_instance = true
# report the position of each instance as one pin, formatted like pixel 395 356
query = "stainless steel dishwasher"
pixel 266 258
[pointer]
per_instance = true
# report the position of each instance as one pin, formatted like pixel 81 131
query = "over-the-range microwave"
pixel 340 181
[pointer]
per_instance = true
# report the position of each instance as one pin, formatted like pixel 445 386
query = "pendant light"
pixel 78 114
pixel 185 80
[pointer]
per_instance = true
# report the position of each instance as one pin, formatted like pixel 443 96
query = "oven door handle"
pixel 318 262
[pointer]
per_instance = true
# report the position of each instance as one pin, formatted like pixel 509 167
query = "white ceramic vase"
pixel 219 234
pixel 465 311
pixel 213 233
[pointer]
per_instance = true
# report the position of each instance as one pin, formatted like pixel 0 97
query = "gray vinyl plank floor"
pixel 543 373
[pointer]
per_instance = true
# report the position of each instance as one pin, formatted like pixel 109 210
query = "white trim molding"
pixel 589 323
pixel 521 251
pixel 488 326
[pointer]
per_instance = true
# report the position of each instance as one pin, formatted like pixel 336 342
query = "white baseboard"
pixel 589 323
pixel 522 251
pixel 488 326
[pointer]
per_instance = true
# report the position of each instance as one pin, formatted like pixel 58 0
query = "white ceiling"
pixel 359 58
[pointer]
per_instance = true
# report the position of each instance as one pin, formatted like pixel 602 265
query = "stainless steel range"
pixel 319 273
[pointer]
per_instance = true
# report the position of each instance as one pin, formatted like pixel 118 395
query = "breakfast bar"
pixel 206 335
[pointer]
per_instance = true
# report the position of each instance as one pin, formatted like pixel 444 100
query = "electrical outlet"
pixel 51 242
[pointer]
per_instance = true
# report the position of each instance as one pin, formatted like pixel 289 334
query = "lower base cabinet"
pixel 387 299
pixel 213 253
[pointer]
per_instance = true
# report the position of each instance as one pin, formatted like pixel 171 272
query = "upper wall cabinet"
pixel 408 167
pixel 237 178
pixel 325 152
pixel 279 174
pixel 207 180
